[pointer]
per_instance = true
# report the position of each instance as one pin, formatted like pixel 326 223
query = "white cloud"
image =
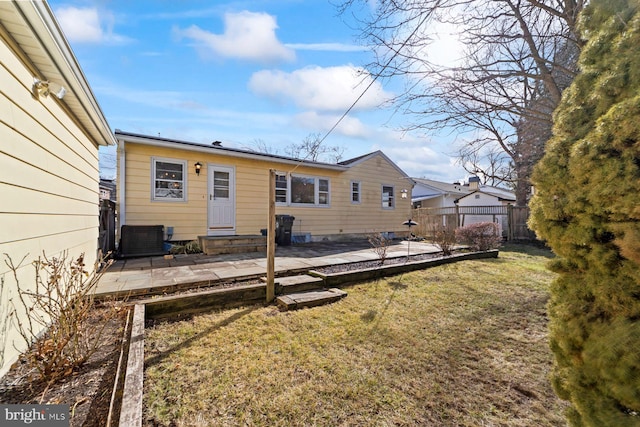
pixel 88 25
pixel 317 88
pixel 349 126
pixel 419 157
pixel 446 49
pixel 248 36
pixel 327 47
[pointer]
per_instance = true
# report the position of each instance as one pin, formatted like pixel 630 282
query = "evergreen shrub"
pixel 586 209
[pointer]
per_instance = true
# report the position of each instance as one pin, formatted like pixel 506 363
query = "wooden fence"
pixel 513 219
pixel 107 228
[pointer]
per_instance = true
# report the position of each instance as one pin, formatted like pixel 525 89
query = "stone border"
pixel 332 280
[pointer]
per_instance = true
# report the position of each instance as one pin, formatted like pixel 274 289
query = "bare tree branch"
pixel 517 58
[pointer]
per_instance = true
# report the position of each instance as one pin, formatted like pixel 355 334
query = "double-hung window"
pixel 168 180
pixel 355 192
pixel 302 190
pixel 282 189
pixel 388 199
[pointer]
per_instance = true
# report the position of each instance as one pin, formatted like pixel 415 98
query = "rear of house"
pixel 48 156
pixel 159 184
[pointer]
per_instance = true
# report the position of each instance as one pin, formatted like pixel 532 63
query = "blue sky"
pixel 247 73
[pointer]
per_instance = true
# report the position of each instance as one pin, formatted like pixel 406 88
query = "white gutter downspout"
pixel 121 185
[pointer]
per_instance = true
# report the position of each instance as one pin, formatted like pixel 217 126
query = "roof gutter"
pixel 183 145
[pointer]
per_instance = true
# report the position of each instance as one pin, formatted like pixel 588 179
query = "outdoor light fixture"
pixel 409 223
pixel 404 193
pixel 198 166
pixel 41 88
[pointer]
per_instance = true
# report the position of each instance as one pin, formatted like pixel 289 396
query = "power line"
pixel 375 78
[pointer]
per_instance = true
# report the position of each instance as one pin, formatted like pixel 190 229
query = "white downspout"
pixel 121 186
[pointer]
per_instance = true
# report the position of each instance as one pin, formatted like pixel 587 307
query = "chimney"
pixel 474 183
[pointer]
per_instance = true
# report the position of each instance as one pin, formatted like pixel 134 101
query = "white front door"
pixel 222 204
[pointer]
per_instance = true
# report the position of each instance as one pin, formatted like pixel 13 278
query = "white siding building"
pixel 50 129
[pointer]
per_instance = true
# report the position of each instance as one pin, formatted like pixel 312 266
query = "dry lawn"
pixel 458 345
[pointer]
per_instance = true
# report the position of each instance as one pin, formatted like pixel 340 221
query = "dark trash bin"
pixel 284 224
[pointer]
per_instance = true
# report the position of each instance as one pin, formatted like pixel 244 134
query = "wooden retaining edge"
pixel 177 305
pixel 332 280
pixel 153 291
pixel 131 410
pixel 124 351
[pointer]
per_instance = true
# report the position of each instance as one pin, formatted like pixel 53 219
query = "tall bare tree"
pixel 517 57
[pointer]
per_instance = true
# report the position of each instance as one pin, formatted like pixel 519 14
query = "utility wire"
pixel 375 78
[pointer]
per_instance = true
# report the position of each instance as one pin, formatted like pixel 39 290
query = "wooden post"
pixel 271 237
pixel 510 223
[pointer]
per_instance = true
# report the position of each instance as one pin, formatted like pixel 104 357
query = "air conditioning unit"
pixel 141 240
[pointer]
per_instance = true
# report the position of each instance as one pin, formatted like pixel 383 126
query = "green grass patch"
pixel 463 344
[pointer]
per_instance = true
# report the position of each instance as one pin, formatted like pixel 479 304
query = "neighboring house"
pixel 50 130
pixel 486 196
pixel 107 189
pixel 428 193
pixel 158 185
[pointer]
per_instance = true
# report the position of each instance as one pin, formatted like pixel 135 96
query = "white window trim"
pixel 316 190
pixel 359 192
pixel 288 189
pixel 317 195
pixel 154 198
pixel 393 204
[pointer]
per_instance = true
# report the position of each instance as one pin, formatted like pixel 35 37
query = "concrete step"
pixel 295 284
pixel 233 249
pixel 309 299
pixel 216 245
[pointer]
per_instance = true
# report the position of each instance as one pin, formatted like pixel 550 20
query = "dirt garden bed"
pixel 88 391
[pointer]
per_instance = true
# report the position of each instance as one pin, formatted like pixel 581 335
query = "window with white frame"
pixel 168 180
pixel 355 192
pixel 281 188
pixel 388 199
pixel 302 190
pixel 323 191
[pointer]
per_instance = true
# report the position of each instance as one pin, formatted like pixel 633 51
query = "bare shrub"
pixel 60 302
pixel 443 236
pixel 380 245
pixel 481 236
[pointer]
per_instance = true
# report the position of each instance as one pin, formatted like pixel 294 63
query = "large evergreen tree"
pixel 586 207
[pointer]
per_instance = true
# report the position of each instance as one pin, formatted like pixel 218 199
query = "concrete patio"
pixel 158 275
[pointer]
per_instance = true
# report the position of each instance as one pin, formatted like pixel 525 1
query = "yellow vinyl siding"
pixel 339 218
pixel 57 140
pixel 49 184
